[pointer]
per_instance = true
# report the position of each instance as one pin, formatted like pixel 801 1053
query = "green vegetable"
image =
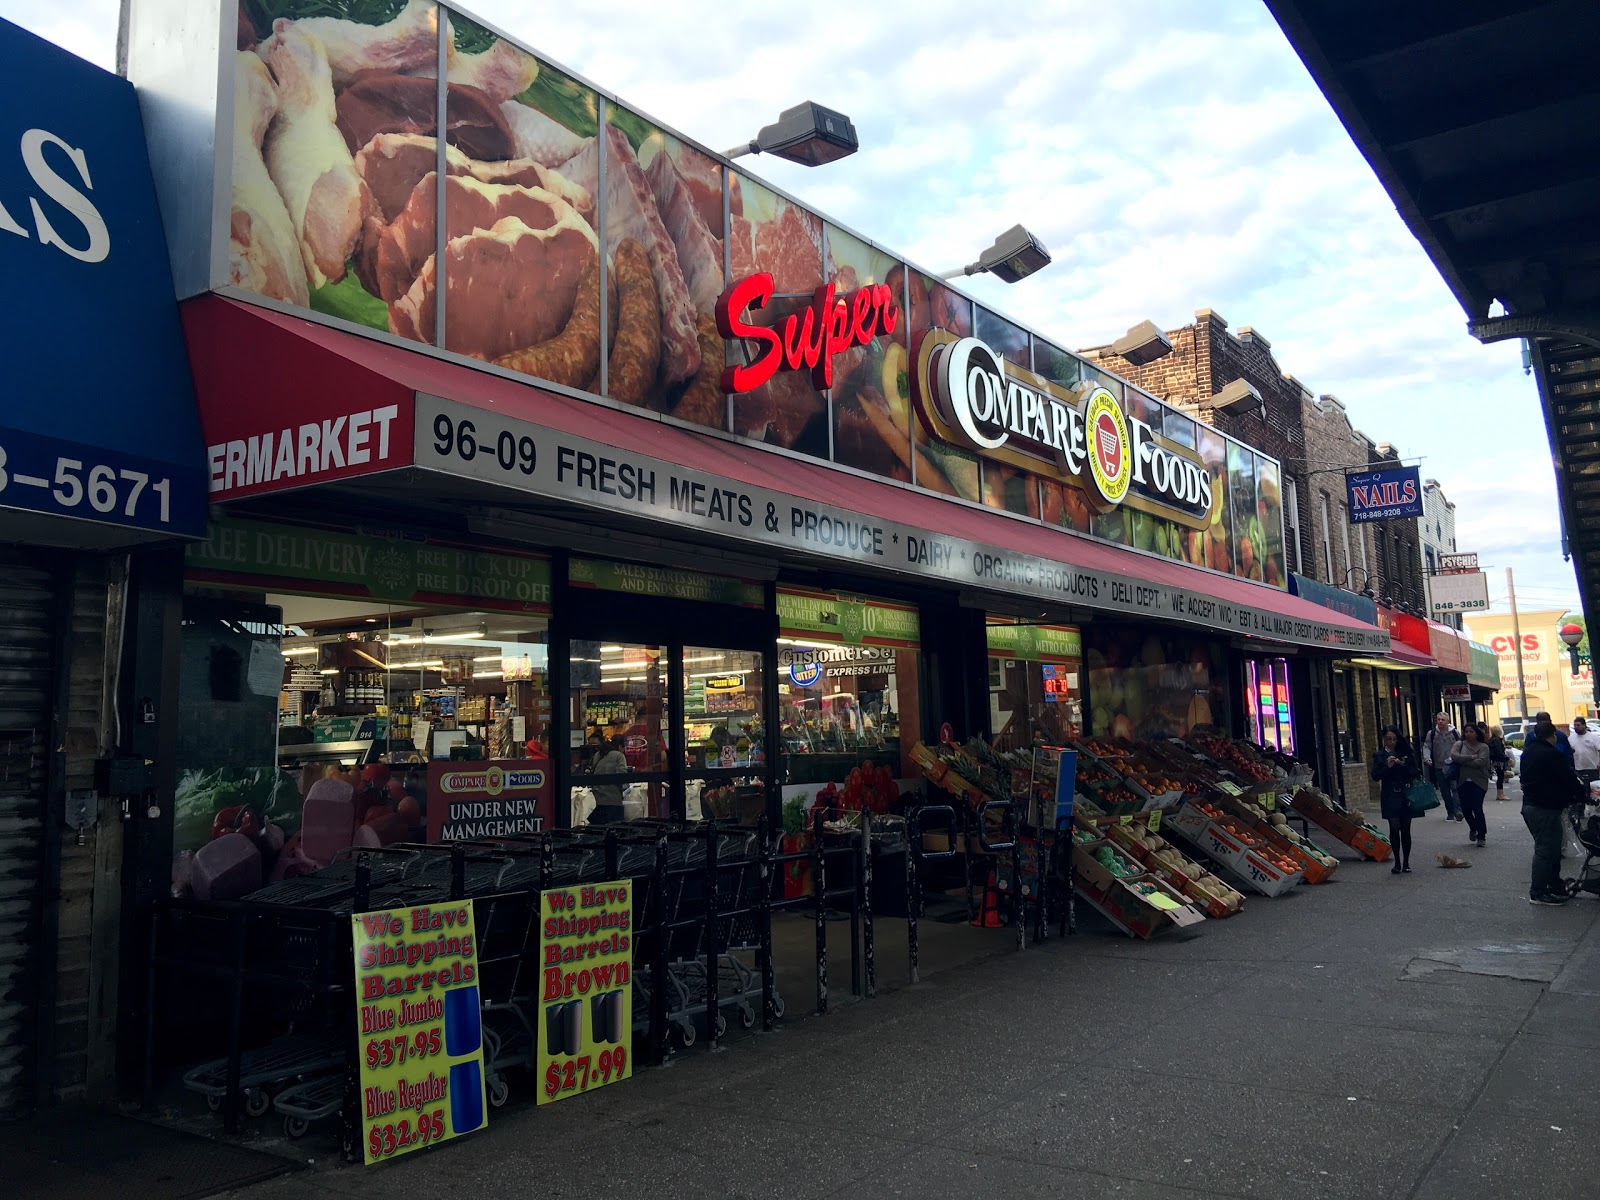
pixel 364 12
pixel 349 301
pixel 564 100
pixel 268 792
pixel 634 127
pixel 470 37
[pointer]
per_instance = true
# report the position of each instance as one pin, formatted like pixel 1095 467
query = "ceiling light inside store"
pixel 610 649
pixel 328 671
pixel 810 645
pixel 294 650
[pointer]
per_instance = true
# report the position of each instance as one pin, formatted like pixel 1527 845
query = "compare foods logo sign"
pixel 969 395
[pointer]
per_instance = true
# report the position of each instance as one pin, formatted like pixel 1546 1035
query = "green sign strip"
pixel 348 563
pixel 669 582
pixel 853 620
pixel 1036 643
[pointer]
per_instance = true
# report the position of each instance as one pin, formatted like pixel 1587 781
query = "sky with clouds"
pixel 1172 155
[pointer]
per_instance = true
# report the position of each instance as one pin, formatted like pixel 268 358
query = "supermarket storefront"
pixel 732 514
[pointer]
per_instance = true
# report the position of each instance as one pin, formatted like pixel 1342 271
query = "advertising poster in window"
pixel 1147 685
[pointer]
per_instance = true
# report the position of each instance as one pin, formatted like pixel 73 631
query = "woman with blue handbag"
pixel 1395 769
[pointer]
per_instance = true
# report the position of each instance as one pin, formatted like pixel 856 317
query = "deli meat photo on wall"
pixel 336 201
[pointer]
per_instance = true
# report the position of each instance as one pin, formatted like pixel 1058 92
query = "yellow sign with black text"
pixel 421 1027
pixel 585 1026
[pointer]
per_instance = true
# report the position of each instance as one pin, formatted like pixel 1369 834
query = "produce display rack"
pixel 1361 836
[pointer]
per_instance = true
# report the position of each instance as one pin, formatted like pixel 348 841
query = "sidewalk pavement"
pixel 1421 1035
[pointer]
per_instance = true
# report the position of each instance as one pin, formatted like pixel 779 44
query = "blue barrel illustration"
pixel 463 1021
pixel 466 1096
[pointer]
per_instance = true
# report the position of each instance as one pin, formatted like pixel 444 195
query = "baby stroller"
pixel 1584 820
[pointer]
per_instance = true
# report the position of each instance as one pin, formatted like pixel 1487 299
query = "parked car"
pixel 1515 730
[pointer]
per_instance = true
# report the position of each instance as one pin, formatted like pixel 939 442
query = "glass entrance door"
pixel 724 734
pixel 621 726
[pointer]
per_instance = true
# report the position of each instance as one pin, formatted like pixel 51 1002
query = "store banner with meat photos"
pixel 585 246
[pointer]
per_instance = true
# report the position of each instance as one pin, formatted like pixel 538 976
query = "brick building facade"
pixel 1311 436
pixel 1205 358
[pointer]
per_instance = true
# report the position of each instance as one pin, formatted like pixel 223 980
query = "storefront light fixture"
pixel 1015 255
pixel 807 134
pixel 1144 343
pixel 1240 393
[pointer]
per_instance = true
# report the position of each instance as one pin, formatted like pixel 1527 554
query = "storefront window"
pixel 1269 711
pixel 723 735
pixel 1035 684
pixel 1344 710
pixel 391 725
pixel 620 726
pixel 1144 684
pixel 848 688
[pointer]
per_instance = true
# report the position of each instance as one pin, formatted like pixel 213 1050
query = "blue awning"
pixel 1361 608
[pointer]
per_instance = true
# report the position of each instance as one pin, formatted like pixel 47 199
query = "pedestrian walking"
pixel 1549 785
pixel 1436 747
pixel 1471 758
pixel 1563 743
pixel 1499 760
pixel 1585 743
pixel 1395 768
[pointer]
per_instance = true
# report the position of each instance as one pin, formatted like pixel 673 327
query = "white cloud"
pixel 1172 155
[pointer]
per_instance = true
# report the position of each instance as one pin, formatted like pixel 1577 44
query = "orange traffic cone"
pixel 989 911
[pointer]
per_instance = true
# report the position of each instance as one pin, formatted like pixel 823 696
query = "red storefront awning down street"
pixel 1450 649
pixel 1410 639
pixel 1402 653
pixel 341 399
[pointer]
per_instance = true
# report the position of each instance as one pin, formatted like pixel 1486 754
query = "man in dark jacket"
pixel 1549 785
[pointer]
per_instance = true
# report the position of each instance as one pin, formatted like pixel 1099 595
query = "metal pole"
pixel 1516 642
pixel 819 872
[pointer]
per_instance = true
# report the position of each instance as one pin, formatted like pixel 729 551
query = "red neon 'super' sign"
pixel 809 338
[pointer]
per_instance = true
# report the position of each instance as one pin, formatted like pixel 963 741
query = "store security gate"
pixel 26 641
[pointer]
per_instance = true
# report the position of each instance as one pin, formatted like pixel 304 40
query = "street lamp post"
pixel 807 134
pixel 1015 255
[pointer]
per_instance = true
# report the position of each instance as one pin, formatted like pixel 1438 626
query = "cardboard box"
pixel 1223 846
pixel 1089 869
pixel 1365 841
pixel 1144 917
pixel 1265 877
pixel 1189 821
pixel 929 763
